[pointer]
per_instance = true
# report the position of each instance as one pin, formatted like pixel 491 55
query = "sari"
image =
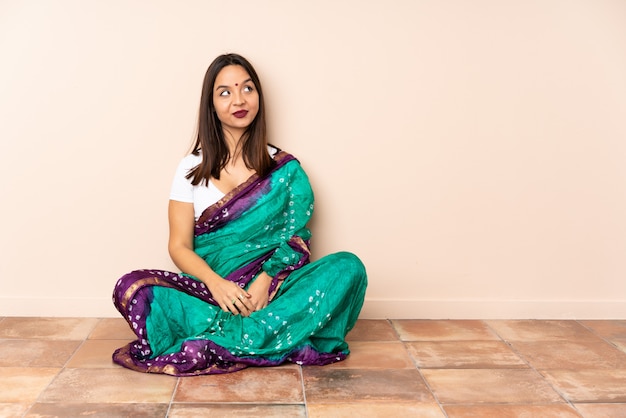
pixel 260 226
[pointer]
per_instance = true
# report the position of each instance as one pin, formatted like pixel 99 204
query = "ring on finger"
pixel 240 296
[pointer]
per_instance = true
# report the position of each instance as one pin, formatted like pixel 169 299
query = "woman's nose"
pixel 238 98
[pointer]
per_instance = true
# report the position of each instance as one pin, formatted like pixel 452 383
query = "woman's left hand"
pixel 259 291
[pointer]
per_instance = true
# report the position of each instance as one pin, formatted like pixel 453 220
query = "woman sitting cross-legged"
pixel 248 294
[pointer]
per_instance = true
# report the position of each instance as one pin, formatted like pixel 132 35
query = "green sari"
pixel 259 226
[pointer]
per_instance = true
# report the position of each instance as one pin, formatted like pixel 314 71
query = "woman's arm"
pixel 180 246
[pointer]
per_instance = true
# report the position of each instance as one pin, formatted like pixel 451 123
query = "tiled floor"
pixel 424 368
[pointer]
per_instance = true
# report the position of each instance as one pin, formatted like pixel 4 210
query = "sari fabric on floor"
pixel 259 226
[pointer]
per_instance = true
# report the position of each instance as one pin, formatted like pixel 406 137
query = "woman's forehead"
pixel 231 75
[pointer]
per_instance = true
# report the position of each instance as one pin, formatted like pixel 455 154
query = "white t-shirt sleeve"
pixel 182 189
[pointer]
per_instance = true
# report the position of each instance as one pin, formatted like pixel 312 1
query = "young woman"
pixel 248 294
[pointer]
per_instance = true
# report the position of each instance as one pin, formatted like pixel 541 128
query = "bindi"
pixel 236 84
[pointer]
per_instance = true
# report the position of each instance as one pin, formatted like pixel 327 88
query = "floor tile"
pixel 375 410
pixel 24 384
pixel 602 410
pixel 112 329
pixel 607 329
pixel 324 385
pixel 98 410
pixel 442 330
pixel 36 353
pixel 376 355
pixel 95 354
pixel 477 386
pixel 589 354
pixel 109 386
pixel 47 328
pixel 464 354
pixel 510 411
pixel 10 410
pixel 254 385
pixel 372 330
pixel 540 330
pixel 545 368
pixel 582 386
pixel 236 411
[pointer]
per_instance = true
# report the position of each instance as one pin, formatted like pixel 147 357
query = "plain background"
pixel 472 153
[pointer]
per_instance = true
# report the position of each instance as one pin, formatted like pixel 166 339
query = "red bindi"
pixel 236 84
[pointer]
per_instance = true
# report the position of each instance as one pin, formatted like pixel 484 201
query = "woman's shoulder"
pixel 191 160
pixel 273 150
pixel 278 153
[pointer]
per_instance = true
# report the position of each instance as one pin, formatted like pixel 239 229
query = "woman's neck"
pixel 234 143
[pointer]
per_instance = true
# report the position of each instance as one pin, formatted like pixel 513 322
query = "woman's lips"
pixel 240 114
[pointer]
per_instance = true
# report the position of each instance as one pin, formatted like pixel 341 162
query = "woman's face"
pixel 236 100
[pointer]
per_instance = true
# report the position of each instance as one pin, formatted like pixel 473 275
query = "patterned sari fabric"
pixel 259 226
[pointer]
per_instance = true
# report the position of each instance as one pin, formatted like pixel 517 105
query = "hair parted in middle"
pixel 211 142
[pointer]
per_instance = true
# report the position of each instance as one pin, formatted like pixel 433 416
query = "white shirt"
pixel 202 195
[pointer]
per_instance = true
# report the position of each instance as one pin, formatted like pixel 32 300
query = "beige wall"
pixel 471 152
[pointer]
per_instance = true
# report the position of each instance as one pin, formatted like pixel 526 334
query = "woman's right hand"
pixel 231 297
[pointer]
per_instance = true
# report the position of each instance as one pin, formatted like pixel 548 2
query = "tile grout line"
pixel 84 341
pixel 605 339
pixel 395 331
pixel 430 389
pixel 594 332
pixel 171 402
pixel 419 370
pixel 306 406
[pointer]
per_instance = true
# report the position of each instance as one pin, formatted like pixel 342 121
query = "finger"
pixel 244 309
pixel 232 307
pixel 224 307
pixel 244 299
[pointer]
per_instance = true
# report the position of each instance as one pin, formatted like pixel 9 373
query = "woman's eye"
pixel 248 89
pixel 224 93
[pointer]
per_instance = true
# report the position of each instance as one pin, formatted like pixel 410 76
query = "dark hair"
pixel 210 140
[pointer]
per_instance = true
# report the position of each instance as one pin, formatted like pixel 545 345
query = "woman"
pixel 248 294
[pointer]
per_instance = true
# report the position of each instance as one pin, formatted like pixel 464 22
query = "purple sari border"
pixel 202 356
